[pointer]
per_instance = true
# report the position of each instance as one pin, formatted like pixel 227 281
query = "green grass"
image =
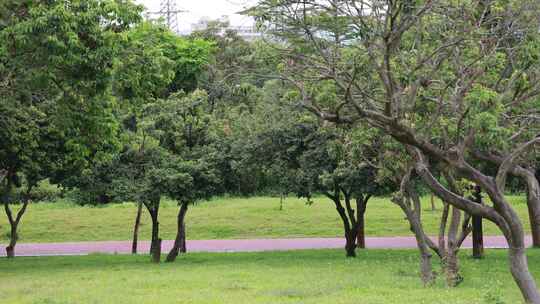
pixel 315 276
pixel 223 218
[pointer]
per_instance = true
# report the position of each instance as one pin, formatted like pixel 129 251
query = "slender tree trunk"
pixel 14 222
pixel 348 227
pixel 180 240
pixel 10 249
pixel 361 205
pixel 361 235
pixel 519 267
pixel 414 216
pixel 477 229
pixel 453 278
pixel 520 271
pixel 155 243
pixel 426 268
pixel 136 229
pixel 533 204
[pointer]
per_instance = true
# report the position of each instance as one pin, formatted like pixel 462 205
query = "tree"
pixel 145 176
pixel 154 64
pixel 325 160
pixel 55 91
pixel 181 126
pixel 434 75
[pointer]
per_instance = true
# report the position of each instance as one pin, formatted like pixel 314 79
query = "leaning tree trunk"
pixel 453 278
pixel 180 240
pixel 426 268
pixel 503 216
pixel 532 179
pixel 520 271
pixel 533 204
pixel 136 229
pixel 413 216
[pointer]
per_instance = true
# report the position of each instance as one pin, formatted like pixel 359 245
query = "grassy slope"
pixel 222 218
pixel 325 276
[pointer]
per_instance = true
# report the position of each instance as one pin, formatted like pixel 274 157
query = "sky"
pixel 197 9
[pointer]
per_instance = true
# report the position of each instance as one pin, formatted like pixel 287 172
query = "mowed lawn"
pixel 314 276
pixel 221 218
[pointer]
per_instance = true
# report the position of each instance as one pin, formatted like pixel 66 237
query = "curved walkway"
pixel 123 247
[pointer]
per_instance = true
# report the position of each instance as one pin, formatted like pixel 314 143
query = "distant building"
pixel 247 32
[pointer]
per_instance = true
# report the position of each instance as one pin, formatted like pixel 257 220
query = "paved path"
pixel 82 248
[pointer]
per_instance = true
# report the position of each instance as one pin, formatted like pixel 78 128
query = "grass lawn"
pixel 222 218
pixel 314 276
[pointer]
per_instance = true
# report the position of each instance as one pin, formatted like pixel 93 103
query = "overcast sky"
pixel 197 9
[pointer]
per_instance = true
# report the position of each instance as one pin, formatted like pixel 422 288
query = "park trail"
pixel 246 245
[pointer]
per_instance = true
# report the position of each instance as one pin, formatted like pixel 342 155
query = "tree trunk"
pixel 156 254
pixel 155 243
pixel 349 226
pixel 10 249
pixel 136 229
pixel 532 179
pixel 350 243
pixel 477 229
pixel 361 205
pixel 453 278
pixel 361 235
pixel 522 276
pixel 426 268
pixel 503 215
pixel 180 240
pixel 533 204
pixel 14 222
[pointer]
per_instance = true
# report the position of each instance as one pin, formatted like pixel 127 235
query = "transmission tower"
pixel 169 12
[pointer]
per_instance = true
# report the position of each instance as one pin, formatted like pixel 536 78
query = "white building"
pixel 247 32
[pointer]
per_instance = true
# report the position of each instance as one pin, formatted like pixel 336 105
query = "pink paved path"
pixel 82 248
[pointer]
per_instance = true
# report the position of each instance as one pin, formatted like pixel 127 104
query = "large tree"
pixel 440 77
pixel 56 114
pixel 181 126
pixel 335 162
